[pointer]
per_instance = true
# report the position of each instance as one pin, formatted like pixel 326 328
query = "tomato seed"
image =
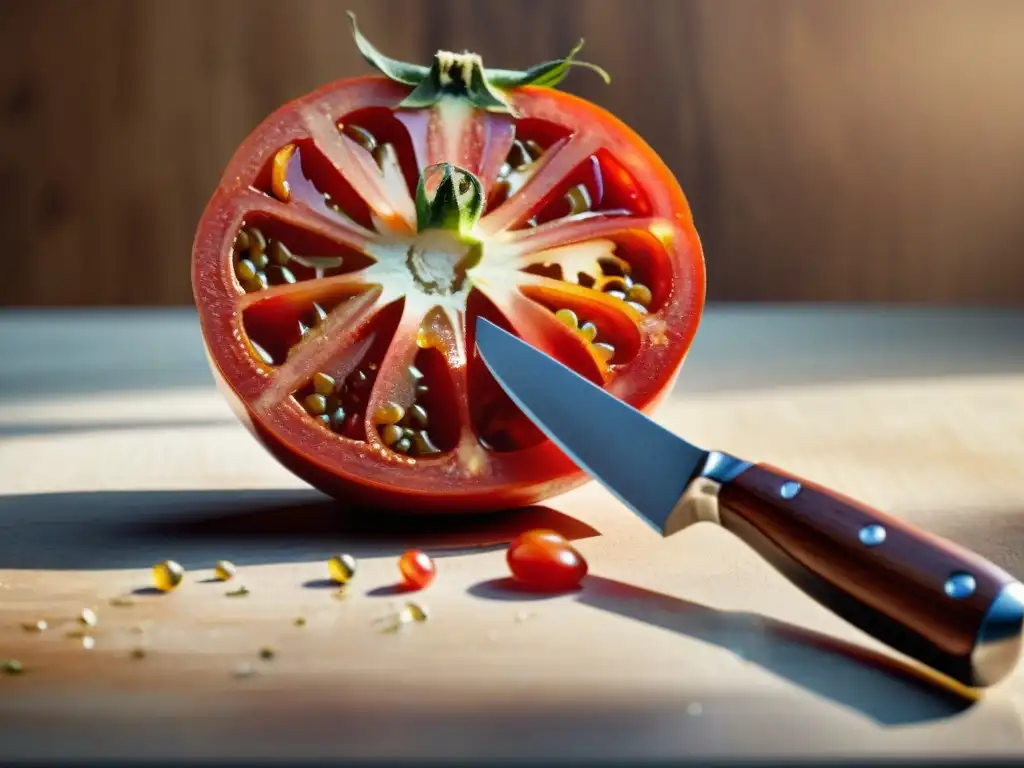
pixel 391 434
pixel 224 570
pixel 167 575
pixel 391 413
pixel 315 404
pixel 323 384
pixel 342 568
pixel 605 351
pixel 589 331
pixel 568 317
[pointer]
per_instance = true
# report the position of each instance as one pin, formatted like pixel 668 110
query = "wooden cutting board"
pixel 685 646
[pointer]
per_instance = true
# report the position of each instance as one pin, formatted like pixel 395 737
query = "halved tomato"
pixel 359 231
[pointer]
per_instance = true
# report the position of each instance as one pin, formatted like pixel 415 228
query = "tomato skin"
pixel 417 568
pixel 545 561
pixel 348 470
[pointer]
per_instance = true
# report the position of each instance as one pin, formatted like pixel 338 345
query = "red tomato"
pixel 338 316
pixel 418 570
pixel 544 560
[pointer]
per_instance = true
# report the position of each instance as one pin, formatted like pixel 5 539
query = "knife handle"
pixel 924 596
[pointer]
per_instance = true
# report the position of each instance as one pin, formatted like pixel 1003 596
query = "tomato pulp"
pixel 360 230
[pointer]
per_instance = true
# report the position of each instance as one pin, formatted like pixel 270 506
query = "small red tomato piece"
pixel 545 560
pixel 418 570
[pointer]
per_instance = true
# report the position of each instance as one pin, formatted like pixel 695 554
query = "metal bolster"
pixel 997 646
pixel 699 503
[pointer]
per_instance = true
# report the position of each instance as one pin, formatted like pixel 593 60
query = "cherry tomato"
pixel 418 570
pixel 545 560
pixel 360 230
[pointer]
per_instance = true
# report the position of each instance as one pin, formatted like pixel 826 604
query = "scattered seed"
pixel 243 669
pixel 418 612
pixel 224 570
pixel 568 317
pixel 315 404
pixel 121 601
pixel 391 434
pixel 88 617
pixel 641 294
pixel 75 634
pixel 242 591
pixel 13 667
pixel 138 653
pixel 267 653
pixel 34 626
pixel 167 575
pixel 391 413
pixel 323 384
pixel 88 642
pixel 341 594
pixel 604 351
pixel 589 331
pixel 300 621
pixel 342 568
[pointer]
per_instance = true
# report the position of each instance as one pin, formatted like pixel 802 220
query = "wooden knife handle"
pixel 922 595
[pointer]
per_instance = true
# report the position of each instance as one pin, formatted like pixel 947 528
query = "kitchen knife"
pixel 927 597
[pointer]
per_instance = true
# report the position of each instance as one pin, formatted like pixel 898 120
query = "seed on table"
pixel 342 568
pixel 300 621
pixel 604 351
pixel 323 384
pixel 88 617
pixel 13 667
pixel 88 642
pixel 391 413
pixel 242 591
pixel 167 575
pixel 224 570
pixel 243 669
pixel 641 294
pixel 315 404
pixel 267 653
pixel 417 611
pixel 138 653
pixel 245 270
pixel 391 434
pixel 121 601
pixel 279 253
pixel 34 626
pixel 568 317
pixel 589 331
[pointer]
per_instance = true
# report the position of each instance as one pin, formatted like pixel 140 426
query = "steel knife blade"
pixel 927 597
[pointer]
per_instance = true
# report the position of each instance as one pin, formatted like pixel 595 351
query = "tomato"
pixel 418 570
pixel 360 230
pixel 545 560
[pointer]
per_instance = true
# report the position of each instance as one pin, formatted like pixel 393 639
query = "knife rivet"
pixel 960 585
pixel 789 489
pixel 872 535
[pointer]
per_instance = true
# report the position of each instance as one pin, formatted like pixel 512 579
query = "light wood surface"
pixel 684 646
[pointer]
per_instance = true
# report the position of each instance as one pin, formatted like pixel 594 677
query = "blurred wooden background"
pixel 831 149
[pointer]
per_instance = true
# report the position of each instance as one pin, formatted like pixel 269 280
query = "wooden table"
pixel 116 452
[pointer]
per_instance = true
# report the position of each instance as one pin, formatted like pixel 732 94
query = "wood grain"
pixel 850 150
pixel 684 646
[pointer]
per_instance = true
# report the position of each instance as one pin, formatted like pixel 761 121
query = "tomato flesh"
pixel 545 561
pixel 344 338
pixel 417 568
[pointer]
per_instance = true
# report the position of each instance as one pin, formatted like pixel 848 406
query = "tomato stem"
pixel 462 75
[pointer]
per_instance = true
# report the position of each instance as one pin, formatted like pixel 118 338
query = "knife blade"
pixel 924 596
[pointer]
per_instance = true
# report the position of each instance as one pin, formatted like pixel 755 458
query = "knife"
pixel 928 598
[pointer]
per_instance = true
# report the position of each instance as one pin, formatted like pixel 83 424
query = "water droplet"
pixel 960 585
pixel 789 489
pixel 872 535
